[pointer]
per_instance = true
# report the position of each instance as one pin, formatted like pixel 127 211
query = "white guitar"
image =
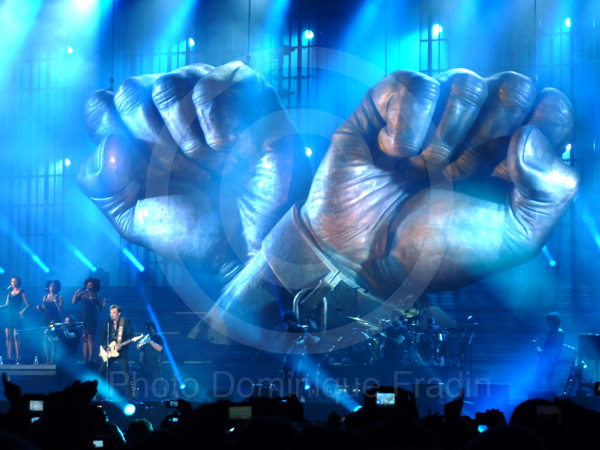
pixel 112 351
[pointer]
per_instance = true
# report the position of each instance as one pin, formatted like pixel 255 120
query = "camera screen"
pixel 98 443
pixel 173 404
pixel 385 399
pixel 240 412
pixel 36 405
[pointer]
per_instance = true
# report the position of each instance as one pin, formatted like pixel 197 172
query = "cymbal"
pixel 411 313
pixel 364 323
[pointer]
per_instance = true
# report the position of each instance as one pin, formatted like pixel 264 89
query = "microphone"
pixel 9 288
pixel 45 290
pixel 469 318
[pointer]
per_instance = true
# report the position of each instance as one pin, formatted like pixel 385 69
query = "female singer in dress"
pixel 90 305
pixel 52 307
pixel 14 303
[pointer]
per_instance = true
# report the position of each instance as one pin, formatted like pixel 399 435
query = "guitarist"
pixel 117 329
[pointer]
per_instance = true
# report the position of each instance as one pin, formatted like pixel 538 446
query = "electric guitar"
pixel 112 352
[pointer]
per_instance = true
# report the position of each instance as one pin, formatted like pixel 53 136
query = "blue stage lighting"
pixel 437 30
pixel 40 263
pixel 129 409
pixel 2 270
pixel 308 151
pixel 356 408
pixel 134 260
pixel 167 350
pixel 568 22
pixel 191 42
pixel 568 147
pixel 549 257
pixel 308 34
pixel 84 260
pixel 67 162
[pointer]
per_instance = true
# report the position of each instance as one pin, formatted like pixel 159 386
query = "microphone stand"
pixel 464 346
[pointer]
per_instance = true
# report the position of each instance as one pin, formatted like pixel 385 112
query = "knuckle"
pixel 552 102
pixel 167 90
pixel 516 90
pixel 99 101
pixel 424 87
pixel 129 95
pixel 469 87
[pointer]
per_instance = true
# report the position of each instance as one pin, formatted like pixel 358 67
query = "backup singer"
pixel 14 303
pixel 52 307
pixel 118 330
pixel 90 305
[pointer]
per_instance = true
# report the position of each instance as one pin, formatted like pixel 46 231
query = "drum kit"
pixel 424 346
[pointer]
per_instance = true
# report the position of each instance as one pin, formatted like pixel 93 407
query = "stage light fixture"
pixel 129 409
pixel 308 151
pixel 2 271
pixel 568 22
pixel 308 34
pixel 191 42
pixel 437 30
pixel 182 386
pixel 67 162
pixel 69 49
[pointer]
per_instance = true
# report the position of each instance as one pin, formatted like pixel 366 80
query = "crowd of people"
pixel 71 420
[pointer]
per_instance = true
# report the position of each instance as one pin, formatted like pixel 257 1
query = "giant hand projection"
pixel 430 185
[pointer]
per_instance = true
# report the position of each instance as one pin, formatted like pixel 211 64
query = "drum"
pixel 361 349
pixel 432 347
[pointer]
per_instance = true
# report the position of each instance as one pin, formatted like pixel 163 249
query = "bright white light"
pixel 568 148
pixel 85 4
pixel 308 151
pixel 129 409
pixel 182 386
pixel 67 162
pixel 568 22
pixel 437 30
pixel 308 34
pixel 191 42
pixel 112 159
pixel 69 49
